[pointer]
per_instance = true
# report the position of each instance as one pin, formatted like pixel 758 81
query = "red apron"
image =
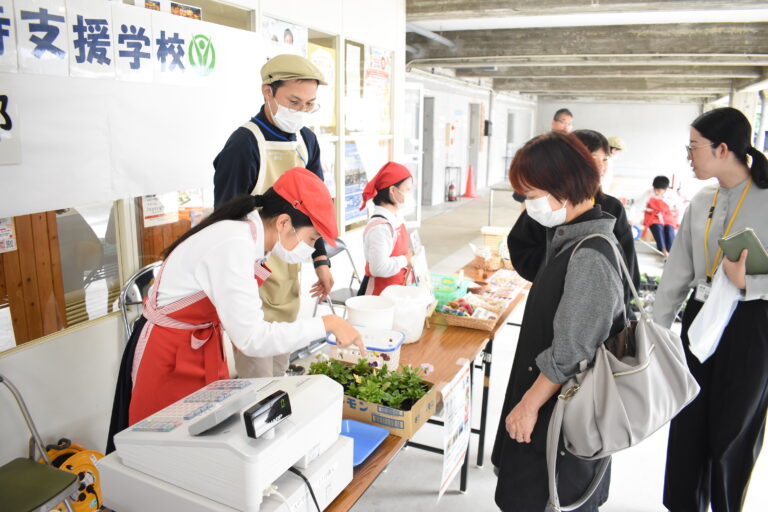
pixel 376 285
pixel 180 349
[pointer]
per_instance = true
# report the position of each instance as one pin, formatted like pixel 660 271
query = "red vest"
pixel 376 285
pixel 180 349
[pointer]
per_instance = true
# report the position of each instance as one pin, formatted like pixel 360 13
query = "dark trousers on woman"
pixel 664 236
pixel 714 442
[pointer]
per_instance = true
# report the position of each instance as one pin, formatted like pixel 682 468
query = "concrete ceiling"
pixel 617 50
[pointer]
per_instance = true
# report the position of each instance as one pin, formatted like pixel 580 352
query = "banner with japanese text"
pixel 140 101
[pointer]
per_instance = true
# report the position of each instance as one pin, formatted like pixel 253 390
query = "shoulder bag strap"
pixel 556 421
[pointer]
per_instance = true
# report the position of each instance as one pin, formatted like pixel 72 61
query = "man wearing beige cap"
pixel 254 156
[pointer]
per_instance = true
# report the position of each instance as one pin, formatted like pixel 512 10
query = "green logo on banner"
pixel 202 55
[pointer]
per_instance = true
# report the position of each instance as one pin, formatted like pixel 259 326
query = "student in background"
pixel 385 241
pixel 563 121
pixel 661 215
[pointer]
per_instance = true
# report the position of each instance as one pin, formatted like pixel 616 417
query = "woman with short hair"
pixel 575 303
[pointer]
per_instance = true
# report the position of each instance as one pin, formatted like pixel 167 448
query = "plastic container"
pixel 366 438
pixel 382 347
pixel 447 288
pixel 371 311
pixel 412 305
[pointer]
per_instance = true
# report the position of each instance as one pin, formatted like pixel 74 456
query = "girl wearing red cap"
pixel 210 281
pixel 385 240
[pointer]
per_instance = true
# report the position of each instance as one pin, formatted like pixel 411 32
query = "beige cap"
pixel 617 142
pixel 290 67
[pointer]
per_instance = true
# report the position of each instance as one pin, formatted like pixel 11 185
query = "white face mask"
pixel 288 120
pixel 408 204
pixel 539 210
pixel 299 254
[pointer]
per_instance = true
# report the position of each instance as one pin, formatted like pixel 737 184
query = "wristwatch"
pixel 320 263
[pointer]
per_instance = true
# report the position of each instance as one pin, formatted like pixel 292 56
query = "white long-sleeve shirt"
pixel 378 244
pixel 219 260
pixel 685 266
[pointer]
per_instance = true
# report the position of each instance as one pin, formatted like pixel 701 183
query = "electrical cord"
pixel 309 485
pixel 272 490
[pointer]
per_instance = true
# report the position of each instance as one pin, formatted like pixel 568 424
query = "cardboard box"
pixel 400 423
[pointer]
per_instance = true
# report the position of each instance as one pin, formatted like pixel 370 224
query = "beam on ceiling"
pixel 581 59
pixel 423 10
pixel 709 38
pixel 693 72
pixel 608 84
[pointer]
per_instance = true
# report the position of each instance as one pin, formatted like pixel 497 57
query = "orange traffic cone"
pixel 470 190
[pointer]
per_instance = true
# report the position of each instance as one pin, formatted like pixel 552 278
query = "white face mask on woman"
pixel 407 205
pixel 299 254
pixel 288 120
pixel 539 210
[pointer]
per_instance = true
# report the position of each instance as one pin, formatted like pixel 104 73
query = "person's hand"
pixel 520 422
pixel 324 283
pixel 737 270
pixel 344 332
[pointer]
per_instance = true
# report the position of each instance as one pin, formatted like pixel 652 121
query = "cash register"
pixel 224 447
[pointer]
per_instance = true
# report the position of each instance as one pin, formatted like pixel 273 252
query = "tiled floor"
pixel 412 480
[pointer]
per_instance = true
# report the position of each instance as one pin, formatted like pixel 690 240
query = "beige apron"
pixel 279 293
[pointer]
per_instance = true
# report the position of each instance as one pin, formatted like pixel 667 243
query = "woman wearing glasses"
pixel 254 156
pixel 714 442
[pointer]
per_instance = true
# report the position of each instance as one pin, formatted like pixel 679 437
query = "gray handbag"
pixel 638 381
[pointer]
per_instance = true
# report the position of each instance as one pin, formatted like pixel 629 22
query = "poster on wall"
pixel 325 60
pixel 42 37
pixel 10 145
pixel 355 180
pixel 457 397
pixel 160 209
pixel 376 89
pixel 191 205
pixel 283 37
pixel 7 235
pixel 8 58
pixel 355 113
pixel 186 11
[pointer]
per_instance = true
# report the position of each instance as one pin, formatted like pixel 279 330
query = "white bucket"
pixel 411 307
pixel 371 311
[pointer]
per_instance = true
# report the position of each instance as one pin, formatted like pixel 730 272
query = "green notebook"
pixel 757 258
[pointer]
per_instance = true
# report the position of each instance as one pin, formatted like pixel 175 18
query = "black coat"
pixel 527 241
pixel 523 481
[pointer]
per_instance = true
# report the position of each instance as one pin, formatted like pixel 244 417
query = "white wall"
pixel 68 384
pixel 452 105
pixel 655 134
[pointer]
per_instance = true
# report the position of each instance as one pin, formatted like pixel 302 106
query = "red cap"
pixel 387 176
pixel 308 194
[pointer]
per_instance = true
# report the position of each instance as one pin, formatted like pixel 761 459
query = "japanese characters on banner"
pixel 97 39
pixel 8 58
pixel 140 102
pixel 457 398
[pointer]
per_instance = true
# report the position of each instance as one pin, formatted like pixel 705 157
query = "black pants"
pixel 664 236
pixel 714 442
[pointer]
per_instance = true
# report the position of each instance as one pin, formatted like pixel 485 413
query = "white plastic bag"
pixel 707 328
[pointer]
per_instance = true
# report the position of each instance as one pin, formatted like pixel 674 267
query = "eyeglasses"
pixel 691 148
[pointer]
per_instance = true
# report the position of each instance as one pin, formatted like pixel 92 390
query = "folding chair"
pixel 340 296
pixel 135 290
pixel 27 485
